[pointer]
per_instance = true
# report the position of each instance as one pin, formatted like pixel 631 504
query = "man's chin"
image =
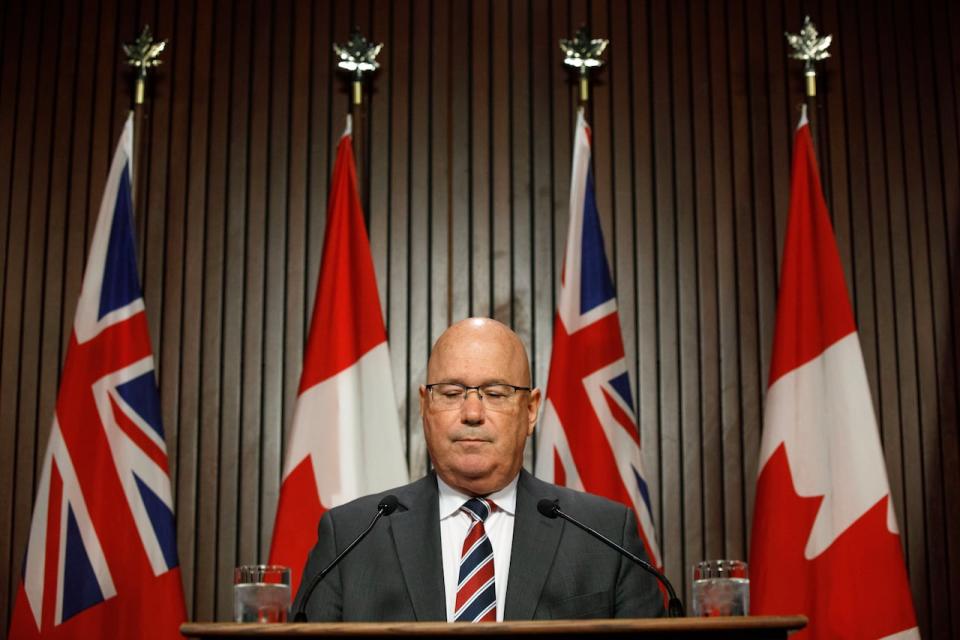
pixel 478 480
pixel 474 470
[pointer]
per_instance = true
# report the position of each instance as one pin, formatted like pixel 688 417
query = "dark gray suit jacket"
pixel 556 570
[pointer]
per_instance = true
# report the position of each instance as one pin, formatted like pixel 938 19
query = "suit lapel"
pixel 535 540
pixel 416 536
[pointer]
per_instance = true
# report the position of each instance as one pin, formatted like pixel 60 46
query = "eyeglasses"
pixel 446 396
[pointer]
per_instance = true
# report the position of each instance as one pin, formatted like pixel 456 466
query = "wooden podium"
pixel 748 628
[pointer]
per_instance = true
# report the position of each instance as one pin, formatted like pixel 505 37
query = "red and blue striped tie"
pixel 476 592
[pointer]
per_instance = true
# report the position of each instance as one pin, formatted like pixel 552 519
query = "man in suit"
pixel 466 542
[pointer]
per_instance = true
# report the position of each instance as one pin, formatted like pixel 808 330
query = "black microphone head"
pixel 388 504
pixel 548 507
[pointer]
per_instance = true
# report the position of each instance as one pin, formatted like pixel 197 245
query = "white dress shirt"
pixel 454 525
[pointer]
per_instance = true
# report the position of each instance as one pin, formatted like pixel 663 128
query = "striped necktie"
pixel 476 592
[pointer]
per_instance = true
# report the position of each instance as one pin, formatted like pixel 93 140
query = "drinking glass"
pixel 261 593
pixel 721 588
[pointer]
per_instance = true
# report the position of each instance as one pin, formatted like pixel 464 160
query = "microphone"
pixel 386 506
pixel 551 509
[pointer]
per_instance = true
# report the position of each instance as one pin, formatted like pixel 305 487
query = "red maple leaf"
pixel 856 588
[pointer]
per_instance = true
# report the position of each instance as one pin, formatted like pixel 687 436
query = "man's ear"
pixel 533 410
pixel 423 399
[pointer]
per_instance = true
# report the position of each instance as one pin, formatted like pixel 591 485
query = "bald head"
pixel 477 446
pixel 483 337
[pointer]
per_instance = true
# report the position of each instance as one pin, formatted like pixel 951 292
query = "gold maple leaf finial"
pixel 811 48
pixel 358 55
pixel 808 45
pixel 582 51
pixel 143 53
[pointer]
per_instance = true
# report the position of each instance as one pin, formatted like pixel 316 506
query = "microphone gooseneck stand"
pixel 551 509
pixel 387 505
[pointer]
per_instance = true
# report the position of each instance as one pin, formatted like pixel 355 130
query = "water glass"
pixel 721 588
pixel 261 593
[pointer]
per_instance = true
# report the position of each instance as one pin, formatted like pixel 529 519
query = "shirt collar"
pixel 451 500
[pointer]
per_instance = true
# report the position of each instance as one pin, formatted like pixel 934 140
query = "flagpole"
pixel 358 113
pixel 143 54
pixel 358 58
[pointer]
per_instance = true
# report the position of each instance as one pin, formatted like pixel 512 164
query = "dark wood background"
pixel 466 175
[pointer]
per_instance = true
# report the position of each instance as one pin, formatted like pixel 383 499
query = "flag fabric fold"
pixel 589 437
pixel 345 438
pixel 101 558
pixel 825 541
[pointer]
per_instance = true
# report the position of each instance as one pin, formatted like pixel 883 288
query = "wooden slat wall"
pixel 466 156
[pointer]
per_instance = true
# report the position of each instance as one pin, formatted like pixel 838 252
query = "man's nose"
pixel 472 410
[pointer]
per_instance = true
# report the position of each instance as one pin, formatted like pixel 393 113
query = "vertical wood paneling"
pixel 750 380
pixel 457 120
pixel 863 291
pixel 222 542
pixel 924 395
pixel 8 436
pixel 255 310
pixel 295 323
pixel 276 271
pixel 212 371
pixel 417 296
pixel 687 300
pixel 944 226
pixel 730 449
pixel 501 176
pixel 645 255
pixel 480 56
pixel 707 425
pixel 398 144
pixel 438 184
pixel 539 123
pixel 518 242
pixel 151 222
pixel 198 367
pixel 53 317
pixel 36 206
pixel 754 223
pixel 670 449
pixel 324 134
pixel 465 151
pixel 379 160
pixel 620 117
pixel 13 312
pixel 436 166
pixel 168 205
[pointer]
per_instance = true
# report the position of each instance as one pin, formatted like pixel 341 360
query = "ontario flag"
pixel 345 438
pixel 589 437
pixel 825 541
pixel 101 559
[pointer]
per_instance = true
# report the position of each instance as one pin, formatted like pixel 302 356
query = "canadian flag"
pixel 825 541
pixel 345 438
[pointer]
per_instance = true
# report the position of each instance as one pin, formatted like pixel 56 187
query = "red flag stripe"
pixel 134 432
